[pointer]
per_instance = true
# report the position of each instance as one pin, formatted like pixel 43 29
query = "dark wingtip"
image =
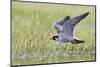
pixel 66 18
pixel 87 13
pixel 82 16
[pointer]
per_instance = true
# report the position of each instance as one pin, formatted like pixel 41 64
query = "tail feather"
pixel 77 41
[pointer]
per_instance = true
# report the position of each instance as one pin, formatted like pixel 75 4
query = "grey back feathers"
pixel 65 27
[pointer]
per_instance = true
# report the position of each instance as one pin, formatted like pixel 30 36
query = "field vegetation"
pixel 32 29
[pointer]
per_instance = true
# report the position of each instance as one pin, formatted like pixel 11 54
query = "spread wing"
pixel 59 24
pixel 77 19
pixel 69 25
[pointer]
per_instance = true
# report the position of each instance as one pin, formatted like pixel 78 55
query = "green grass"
pixel 32 28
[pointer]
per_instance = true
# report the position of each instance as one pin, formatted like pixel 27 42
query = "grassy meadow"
pixel 32 29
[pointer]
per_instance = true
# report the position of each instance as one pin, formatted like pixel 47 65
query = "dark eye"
pixel 56 36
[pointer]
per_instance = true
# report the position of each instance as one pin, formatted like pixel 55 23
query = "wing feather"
pixel 59 24
pixel 69 25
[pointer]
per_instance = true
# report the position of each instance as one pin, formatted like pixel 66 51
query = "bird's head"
pixel 54 37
